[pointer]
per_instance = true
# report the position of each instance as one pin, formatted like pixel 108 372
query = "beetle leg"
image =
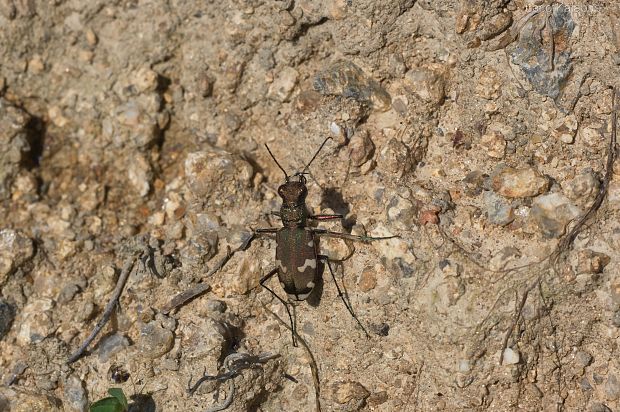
pixel 348 236
pixel 344 298
pixel 286 306
pixel 266 230
pixel 325 217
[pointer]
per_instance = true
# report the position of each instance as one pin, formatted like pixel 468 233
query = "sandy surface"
pixel 477 131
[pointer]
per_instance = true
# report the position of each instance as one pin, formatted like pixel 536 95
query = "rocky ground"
pixel 132 135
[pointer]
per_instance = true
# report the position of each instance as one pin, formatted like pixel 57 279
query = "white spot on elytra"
pixel 280 266
pixel 300 296
pixel 311 243
pixel 311 263
pixel 310 285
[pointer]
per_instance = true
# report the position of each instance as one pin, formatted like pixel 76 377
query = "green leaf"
pixel 110 404
pixel 118 394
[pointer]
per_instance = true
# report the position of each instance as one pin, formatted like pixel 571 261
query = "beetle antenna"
pixel 315 155
pixel 276 160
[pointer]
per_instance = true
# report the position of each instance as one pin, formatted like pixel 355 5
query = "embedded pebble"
pixel 428 84
pixel 216 175
pixel 145 80
pixel 512 183
pixel 361 147
pixel 552 212
pixel 591 134
pixel 140 174
pixel 7 315
pixel 583 358
pixel 494 26
pixel 503 257
pixel 368 279
pixel 283 85
pixel 583 188
pixel 27 400
pixel 205 341
pixel 35 321
pixel 14 144
pixel 494 144
pixel 497 210
pixel 15 250
pixel 599 407
pixel 111 345
pixel 589 261
pixel 545 62
pixel 334 248
pixel 155 341
pixel 511 356
pixel 395 158
pixel 350 391
pixel 345 79
pixel 489 84
pixel 566 130
pixel 612 387
pixel 216 306
pixel 76 398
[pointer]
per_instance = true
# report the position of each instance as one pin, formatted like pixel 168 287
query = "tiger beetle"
pixel 297 244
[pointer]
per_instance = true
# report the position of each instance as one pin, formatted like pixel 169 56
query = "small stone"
pixel 428 84
pixel 335 248
pixel 140 174
pixel 7 315
pixel 145 80
pixel 583 188
pixel 36 321
pixel 367 280
pixel 27 400
pixel 246 277
pixel 497 210
pixel 599 407
pixel 76 398
pixel 350 391
pixel 489 84
pixel 464 365
pixel 345 79
pixel 495 25
pixel 57 117
pixel 494 144
pixel 552 212
pixel 510 357
pixel 36 65
pixel 216 306
pixel 395 158
pixel 283 85
pixel 155 341
pixel 566 130
pixel 362 148
pixel 545 62
pixel 377 398
pixel 67 293
pixel 111 345
pixel 217 175
pixel 583 358
pixel 589 261
pixel 15 250
pixel 612 388
pixel 591 135
pixel 91 37
pixel 516 183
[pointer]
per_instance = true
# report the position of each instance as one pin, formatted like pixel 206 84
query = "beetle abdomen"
pixel 297 261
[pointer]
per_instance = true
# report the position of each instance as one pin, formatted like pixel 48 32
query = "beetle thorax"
pixel 293 210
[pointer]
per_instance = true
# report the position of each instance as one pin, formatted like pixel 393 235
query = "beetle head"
pixel 294 192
